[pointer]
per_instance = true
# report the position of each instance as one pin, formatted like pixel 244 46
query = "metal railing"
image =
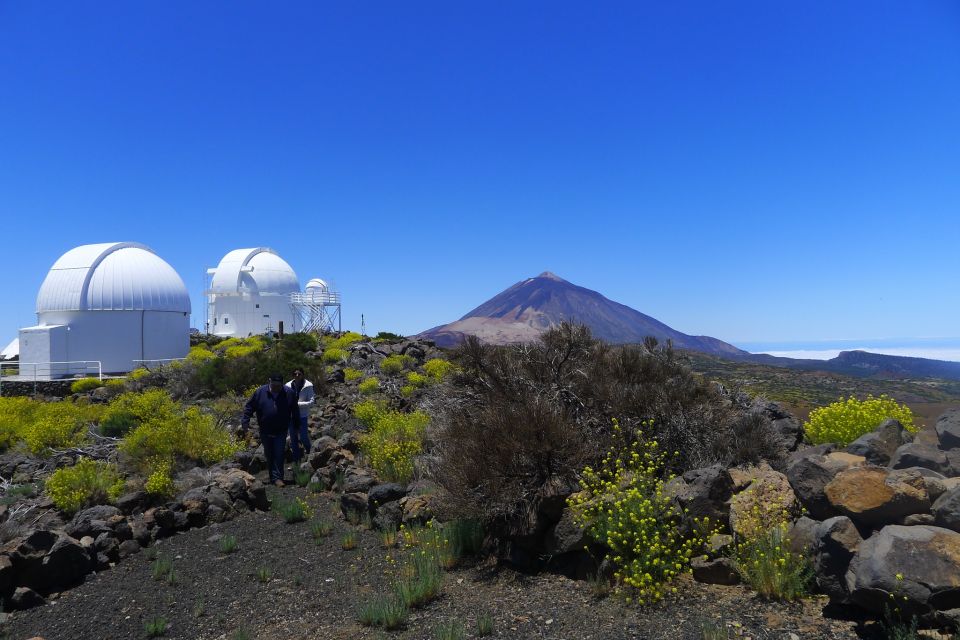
pixel 44 371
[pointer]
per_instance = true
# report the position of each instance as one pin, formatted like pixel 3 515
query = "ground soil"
pixel 316 587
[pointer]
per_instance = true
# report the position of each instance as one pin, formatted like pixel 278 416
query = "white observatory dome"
pixel 258 270
pixel 315 283
pixel 112 276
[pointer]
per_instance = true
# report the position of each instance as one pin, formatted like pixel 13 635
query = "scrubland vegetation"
pixel 501 443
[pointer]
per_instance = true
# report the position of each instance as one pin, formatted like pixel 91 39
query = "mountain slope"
pixel 528 308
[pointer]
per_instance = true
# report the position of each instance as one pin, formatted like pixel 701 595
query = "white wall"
pixel 240 316
pixel 43 345
pixel 118 338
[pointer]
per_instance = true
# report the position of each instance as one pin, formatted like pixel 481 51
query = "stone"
pixel 878 446
pixel 918 518
pixel 719 543
pixel 920 455
pixel 236 483
pixel 134 502
pixel 66 565
pixel 26 598
pixel 165 518
pixel 388 517
pixel 128 548
pixel 948 430
pixel 566 535
pixel 108 546
pixel 916 565
pixel 876 496
pixel 417 509
pixel 257 497
pixel 802 535
pixel 384 493
pixel 91 521
pixel 358 481
pixel 946 510
pixel 353 503
pixel 810 474
pixel 323 449
pixel 767 498
pixel 7 574
pixel 836 541
pixel 703 493
pixel 716 571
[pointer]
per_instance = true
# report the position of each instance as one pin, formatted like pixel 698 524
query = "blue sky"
pixel 756 171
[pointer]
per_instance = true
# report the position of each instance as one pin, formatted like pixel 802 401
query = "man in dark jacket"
pixel 275 406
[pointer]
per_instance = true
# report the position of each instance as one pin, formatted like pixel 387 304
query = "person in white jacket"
pixel 299 437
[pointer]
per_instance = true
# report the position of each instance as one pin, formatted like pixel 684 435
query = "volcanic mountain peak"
pixel 530 307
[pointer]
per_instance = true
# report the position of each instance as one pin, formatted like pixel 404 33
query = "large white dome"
pixel 112 276
pixel 258 270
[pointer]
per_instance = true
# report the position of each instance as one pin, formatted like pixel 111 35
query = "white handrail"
pixel 49 366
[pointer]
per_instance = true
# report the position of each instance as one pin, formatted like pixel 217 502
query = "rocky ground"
pixel 314 590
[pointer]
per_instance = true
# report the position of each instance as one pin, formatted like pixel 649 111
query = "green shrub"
pixel 392 441
pixel 333 355
pixel 387 612
pixel 166 431
pixel 438 368
pixel 84 385
pixel 292 511
pixel 622 506
pixel 350 374
pixel 344 341
pixel 846 420
pixel 407 390
pixel 248 367
pixel 139 373
pixel 228 544
pixel 200 353
pixel 368 386
pixel 766 563
pixel 300 342
pixel 84 484
pixel 394 364
pixel 415 379
pixel 58 425
pixel 155 627
pixel 388 336
pixel 450 630
pixel 160 482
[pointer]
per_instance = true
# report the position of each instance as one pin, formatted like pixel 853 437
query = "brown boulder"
pixel 876 496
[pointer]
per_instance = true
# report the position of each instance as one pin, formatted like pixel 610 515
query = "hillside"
pixel 530 307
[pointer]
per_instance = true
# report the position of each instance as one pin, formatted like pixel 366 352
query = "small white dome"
pixel 112 276
pixel 316 283
pixel 258 270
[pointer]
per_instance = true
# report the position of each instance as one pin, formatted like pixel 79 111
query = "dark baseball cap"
pixel 276 377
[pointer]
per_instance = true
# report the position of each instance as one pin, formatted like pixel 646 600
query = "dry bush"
pixel 520 423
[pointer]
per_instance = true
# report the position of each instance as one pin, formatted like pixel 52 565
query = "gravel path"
pixel 315 588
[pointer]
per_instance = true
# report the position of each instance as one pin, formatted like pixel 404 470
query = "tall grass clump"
pixel 388 612
pixel 622 505
pixel 762 553
pixel 84 484
pixel 392 439
pixel 846 420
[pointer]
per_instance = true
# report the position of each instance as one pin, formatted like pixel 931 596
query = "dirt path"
pixel 314 590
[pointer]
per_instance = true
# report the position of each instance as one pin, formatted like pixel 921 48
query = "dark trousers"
pixel 299 435
pixel 274 445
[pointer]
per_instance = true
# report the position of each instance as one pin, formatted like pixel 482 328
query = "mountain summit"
pixel 528 308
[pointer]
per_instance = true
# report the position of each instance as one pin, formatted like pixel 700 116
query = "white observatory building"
pixel 249 294
pixel 106 307
pixel 252 291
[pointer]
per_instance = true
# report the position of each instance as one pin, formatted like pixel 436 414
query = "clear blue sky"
pixel 755 171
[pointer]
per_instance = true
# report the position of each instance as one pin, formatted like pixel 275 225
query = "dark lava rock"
pixel 716 571
pixel 948 430
pixel 946 510
pixel 92 521
pixel 837 540
pixel 26 598
pixel 879 445
pixel 383 493
pixel 920 455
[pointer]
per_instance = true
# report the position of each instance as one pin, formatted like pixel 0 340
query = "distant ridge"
pixel 530 307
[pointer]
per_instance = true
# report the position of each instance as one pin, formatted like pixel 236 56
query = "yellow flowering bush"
pixel 761 517
pixel 160 482
pixel 350 374
pixel 344 341
pixel 392 439
pixel 334 354
pixel 368 386
pixel 84 484
pixel 84 385
pixel 416 380
pixel 165 431
pixel 846 420
pixel 394 364
pixel 622 505
pixel 200 353
pixel 438 368
pixel 45 425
